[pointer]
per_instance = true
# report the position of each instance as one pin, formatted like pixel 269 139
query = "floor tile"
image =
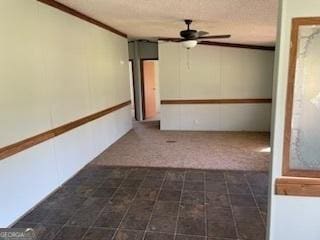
pixel 221 230
pixel 109 219
pixel 175 175
pixel 46 231
pixel 123 194
pixel 156 173
pixel 218 200
pixel 235 177
pixel 193 186
pixel 84 191
pixel 93 181
pixel 158 236
pixel 215 176
pixel 151 182
pixel 249 231
pixel 112 183
pixel 83 203
pixel 194 176
pixel 259 189
pixel 249 215
pixel 172 185
pixel 85 217
pixel 37 215
pixel 72 202
pixel 70 233
pixel 214 238
pixel 162 224
pixel 169 195
pixel 117 173
pixel 193 197
pixel 218 214
pixel 141 206
pixel 238 189
pixel 191 210
pixel 99 234
pixel 131 183
pixel 117 206
pixel 258 178
pixel 136 221
pixel 163 208
pixel 58 216
pixel 137 173
pixel 191 226
pixel 94 203
pixel 241 200
pixel 189 237
pixel 147 194
pixel 21 224
pixel 262 202
pixel 216 187
pixel 104 192
pixel 128 235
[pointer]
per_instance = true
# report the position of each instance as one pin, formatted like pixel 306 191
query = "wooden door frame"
pixel 134 89
pixel 143 100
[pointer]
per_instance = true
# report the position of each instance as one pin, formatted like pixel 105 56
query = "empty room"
pixel 153 120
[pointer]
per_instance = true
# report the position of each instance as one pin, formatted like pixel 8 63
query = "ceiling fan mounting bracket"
pixel 188 22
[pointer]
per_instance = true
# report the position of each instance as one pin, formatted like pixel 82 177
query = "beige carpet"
pixel 146 145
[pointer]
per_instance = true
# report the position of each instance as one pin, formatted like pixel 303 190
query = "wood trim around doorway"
pixel 134 89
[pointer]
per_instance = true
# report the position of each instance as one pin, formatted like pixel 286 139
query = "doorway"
pixel 150 89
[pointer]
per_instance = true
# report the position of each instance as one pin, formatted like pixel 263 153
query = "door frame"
pixel 134 89
pixel 143 100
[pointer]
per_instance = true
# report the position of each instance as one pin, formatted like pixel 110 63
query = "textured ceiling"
pixel 248 21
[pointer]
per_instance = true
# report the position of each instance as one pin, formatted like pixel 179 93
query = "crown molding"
pixel 238 45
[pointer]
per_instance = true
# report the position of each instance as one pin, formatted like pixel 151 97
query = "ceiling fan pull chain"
pixel 188 59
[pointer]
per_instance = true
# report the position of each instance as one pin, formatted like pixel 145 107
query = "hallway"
pixel 146 146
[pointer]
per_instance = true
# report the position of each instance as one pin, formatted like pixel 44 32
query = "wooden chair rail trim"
pixel 295 186
pixel 82 16
pixel 215 101
pixel 39 138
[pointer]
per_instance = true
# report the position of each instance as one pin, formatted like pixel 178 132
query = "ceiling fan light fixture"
pixel 189 43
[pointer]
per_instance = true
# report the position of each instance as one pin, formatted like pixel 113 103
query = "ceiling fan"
pixel 190 37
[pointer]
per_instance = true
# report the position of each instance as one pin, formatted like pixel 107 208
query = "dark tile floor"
pixel 102 203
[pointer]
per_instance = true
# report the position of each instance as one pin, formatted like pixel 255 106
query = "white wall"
pixel 211 72
pixel 55 68
pixel 293 218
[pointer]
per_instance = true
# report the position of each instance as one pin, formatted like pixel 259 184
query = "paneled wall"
pixel 54 69
pixel 211 72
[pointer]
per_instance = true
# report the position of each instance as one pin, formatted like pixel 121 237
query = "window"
pixel 301 155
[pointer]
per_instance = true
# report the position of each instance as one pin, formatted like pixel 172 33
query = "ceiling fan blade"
pixel 202 33
pixel 215 36
pixel 171 39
